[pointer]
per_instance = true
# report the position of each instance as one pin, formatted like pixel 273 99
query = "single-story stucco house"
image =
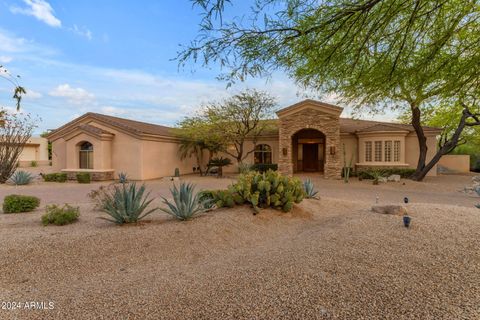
pixel 34 151
pixel 310 136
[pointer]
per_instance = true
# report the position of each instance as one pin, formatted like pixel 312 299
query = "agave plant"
pixel 122 177
pixel 310 192
pixel 21 178
pixel 185 204
pixel 126 204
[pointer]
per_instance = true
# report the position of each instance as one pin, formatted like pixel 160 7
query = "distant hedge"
pixel 263 167
pixel 55 177
pixel 385 172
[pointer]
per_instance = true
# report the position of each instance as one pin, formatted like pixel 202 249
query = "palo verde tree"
pixel 238 120
pixel 373 53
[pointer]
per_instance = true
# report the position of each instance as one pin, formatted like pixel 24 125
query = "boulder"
pixel 394 177
pixel 390 209
pixel 476 179
pixel 382 179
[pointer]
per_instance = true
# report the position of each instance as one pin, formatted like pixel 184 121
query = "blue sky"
pixel 112 57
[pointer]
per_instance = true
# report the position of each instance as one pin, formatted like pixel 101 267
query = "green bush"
pixel 83 177
pixel 34 164
pixel 20 178
pixel 60 215
pixel 125 203
pixel 185 204
pixel 17 203
pixel 263 167
pixel 268 189
pixel 385 172
pixel 55 177
pixel 207 199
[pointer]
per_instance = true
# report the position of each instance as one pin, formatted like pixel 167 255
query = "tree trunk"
pixel 422 143
pixel 447 146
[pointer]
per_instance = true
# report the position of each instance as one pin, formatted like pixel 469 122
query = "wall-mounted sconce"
pixel 284 151
pixel 332 150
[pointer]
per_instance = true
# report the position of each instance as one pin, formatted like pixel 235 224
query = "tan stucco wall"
pixel 159 159
pixel 36 149
pixel 272 142
pixel 350 142
pixel 412 151
pixel 455 162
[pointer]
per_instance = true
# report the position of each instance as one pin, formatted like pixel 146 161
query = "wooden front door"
pixel 310 157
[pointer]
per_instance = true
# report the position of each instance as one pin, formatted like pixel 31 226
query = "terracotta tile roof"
pixel 133 126
pixel 93 129
pixel 348 125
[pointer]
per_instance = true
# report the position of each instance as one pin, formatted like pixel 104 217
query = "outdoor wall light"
pixel 284 151
pixel 332 150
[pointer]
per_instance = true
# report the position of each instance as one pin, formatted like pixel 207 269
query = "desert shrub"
pixel 55 177
pixel 185 203
pixel 244 168
pixel 224 198
pixel 264 167
pixel 17 203
pixel 122 177
pixel 207 199
pixel 124 204
pixel 385 172
pixel 34 164
pixel 309 187
pixel 83 177
pixel 60 215
pixel 20 178
pixel 177 172
pixel 269 189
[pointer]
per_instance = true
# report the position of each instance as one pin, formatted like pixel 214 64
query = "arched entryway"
pixel 308 151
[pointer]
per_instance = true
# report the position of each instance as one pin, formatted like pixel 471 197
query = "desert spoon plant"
pixel 126 204
pixel 185 204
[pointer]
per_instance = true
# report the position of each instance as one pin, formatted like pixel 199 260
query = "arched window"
pixel 86 155
pixel 263 154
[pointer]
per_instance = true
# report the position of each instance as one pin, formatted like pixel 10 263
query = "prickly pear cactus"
pixel 268 189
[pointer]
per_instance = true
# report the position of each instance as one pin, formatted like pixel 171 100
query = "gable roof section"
pixel 348 125
pixel 132 127
pixel 309 103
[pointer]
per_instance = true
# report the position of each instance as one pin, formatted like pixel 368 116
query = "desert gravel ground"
pixel 328 259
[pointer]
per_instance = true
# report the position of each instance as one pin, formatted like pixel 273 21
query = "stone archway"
pixel 310 114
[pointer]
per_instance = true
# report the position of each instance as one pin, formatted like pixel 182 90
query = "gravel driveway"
pixel 328 259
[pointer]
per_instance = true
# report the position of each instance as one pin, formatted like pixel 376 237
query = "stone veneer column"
pixel 328 124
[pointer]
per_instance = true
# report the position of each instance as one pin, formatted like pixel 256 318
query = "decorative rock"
pixel 394 177
pixel 476 180
pixel 382 179
pixel 390 209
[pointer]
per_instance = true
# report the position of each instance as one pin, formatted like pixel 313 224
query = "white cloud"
pixel 10 45
pixel 113 111
pixel 73 95
pixel 82 31
pixel 5 59
pixel 31 94
pixel 39 9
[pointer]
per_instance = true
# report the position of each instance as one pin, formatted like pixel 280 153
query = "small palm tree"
pixel 219 162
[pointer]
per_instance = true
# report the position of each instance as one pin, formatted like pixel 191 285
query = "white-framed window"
pixel 388 151
pixel 396 150
pixel 368 151
pixel 378 151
